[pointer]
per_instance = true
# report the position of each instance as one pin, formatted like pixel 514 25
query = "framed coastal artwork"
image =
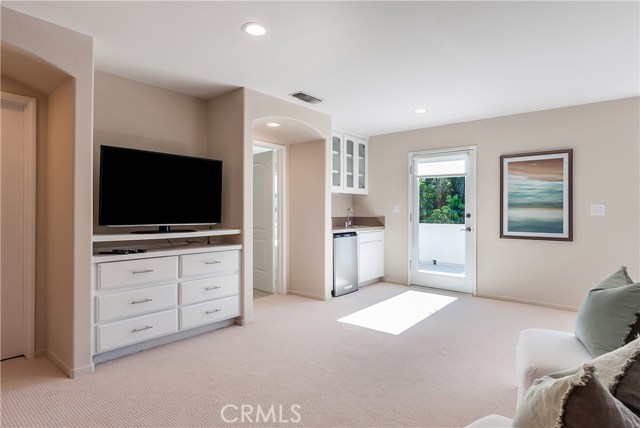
pixel 537 195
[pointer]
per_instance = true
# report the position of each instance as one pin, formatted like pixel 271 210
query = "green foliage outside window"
pixel 442 200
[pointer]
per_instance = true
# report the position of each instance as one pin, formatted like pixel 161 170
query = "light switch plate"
pixel 396 208
pixel 598 209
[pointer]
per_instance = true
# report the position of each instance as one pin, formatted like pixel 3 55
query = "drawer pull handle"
pixel 146 327
pixel 135 302
pixel 142 271
pixel 217 287
pixel 213 311
pixel 212 262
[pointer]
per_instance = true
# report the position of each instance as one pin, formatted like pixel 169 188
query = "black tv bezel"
pixel 164 227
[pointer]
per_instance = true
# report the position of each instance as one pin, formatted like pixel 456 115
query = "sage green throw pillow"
pixel 608 313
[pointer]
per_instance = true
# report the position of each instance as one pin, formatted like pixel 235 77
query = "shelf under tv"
pixel 171 235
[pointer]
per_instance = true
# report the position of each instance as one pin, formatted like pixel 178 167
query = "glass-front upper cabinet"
pixel 349 163
pixel 361 151
pixel 337 162
pixel 356 165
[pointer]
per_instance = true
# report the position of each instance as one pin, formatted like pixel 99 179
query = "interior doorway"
pixel 268 218
pixel 17 224
pixel 442 220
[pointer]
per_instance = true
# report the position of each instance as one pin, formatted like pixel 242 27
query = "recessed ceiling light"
pixel 420 110
pixel 273 124
pixel 254 29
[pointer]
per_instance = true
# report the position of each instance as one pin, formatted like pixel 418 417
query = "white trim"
pixel 29 268
pixel 283 227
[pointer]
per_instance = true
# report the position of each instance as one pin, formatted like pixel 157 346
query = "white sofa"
pixel 539 352
pixel 491 421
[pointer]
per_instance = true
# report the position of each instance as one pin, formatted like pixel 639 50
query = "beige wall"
pixel 60 224
pixel 136 115
pixel 64 52
pixel 226 142
pixel 340 202
pixel 605 138
pixel 307 258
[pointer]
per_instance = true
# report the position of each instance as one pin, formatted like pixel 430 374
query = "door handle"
pixel 466 229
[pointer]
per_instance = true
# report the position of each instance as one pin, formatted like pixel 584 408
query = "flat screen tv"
pixel 146 188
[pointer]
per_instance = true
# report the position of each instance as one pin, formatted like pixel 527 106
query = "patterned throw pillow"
pixel 578 400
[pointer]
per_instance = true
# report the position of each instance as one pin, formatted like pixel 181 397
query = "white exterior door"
pixel 263 221
pixel 443 232
pixel 17 223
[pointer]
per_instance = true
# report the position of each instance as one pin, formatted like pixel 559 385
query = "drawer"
pixel 138 329
pixel 136 302
pixel 208 312
pixel 208 288
pixel 213 262
pixel 139 271
pixel 370 236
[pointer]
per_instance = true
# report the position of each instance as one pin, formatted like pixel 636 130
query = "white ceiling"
pixel 373 62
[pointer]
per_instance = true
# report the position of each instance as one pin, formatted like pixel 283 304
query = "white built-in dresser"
pixel 167 293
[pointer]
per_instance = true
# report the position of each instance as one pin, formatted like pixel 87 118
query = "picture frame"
pixel 536 195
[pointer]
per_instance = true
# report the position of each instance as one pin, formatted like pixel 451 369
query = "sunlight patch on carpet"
pixel 398 313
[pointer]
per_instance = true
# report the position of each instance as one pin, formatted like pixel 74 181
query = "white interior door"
pixel 443 232
pixel 17 224
pixel 263 221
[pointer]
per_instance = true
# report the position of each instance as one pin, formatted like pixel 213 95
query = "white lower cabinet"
pixel 123 333
pixel 370 255
pixel 208 312
pixel 130 303
pixel 147 297
pixel 208 288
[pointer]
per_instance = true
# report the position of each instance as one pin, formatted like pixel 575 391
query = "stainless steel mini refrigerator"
pixel 345 263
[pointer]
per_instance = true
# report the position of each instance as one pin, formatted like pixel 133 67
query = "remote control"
pixel 124 251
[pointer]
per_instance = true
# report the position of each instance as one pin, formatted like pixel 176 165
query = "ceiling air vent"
pixel 302 96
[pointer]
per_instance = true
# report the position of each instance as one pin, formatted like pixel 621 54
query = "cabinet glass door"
pixel 362 169
pixel 349 164
pixel 336 163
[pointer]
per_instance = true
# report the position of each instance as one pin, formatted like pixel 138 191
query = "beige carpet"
pixel 298 366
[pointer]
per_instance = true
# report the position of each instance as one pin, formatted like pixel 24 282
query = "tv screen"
pixel 145 188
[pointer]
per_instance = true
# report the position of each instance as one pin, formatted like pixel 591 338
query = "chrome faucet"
pixel 349 217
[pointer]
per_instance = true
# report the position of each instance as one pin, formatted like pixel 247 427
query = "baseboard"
pixel 58 363
pixel 528 302
pixel 40 353
pixel 82 371
pixel 243 321
pixel 393 281
pixel 308 295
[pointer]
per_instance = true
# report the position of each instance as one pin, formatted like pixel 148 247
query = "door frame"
pixel 410 229
pixel 29 232
pixel 282 232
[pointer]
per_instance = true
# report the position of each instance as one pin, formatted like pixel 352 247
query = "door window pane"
pixel 441 228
